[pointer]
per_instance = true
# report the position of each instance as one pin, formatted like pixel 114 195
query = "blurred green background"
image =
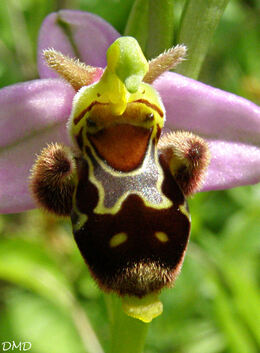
pixel 46 294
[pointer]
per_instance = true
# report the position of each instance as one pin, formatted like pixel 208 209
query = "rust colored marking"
pixel 153 106
pixel 79 139
pixel 123 146
pixel 158 134
pixel 95 103
pixel 81 115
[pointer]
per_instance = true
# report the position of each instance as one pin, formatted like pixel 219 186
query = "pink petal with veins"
pixel 230 123
pixel 232 164
pixel 77 34
pixel 208 111
pixel 32 114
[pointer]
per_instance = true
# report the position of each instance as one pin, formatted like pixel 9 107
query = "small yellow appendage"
pixel 144 309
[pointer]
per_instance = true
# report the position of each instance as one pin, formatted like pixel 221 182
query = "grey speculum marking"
pixel 143 182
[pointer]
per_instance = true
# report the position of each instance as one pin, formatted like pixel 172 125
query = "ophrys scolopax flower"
pixel 221 117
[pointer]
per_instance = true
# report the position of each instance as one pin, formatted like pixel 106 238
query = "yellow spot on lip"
pixel 161 236
pixel 117 239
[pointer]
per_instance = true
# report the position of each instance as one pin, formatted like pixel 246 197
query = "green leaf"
pixel 199 22
pixel 137 23
pixel 30 266
pixel 26 264
pixel 113 11
pixel 238 276
pixel 161 22
pixel 33 319
pixel 232 269
pixel 236 333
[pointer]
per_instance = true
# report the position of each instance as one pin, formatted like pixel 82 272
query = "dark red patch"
pixel 79 139
pixel 153 106
pixel 158 133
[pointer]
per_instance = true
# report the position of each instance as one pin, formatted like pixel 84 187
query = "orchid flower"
pixel 35 113
pixel 229 123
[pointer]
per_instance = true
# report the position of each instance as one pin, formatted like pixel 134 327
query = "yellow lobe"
pixel 112 87
pixel 145 309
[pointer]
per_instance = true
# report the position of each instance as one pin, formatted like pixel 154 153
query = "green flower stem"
pixel 127 335
pixel 199 21
pixel 137 24
pixel 160 33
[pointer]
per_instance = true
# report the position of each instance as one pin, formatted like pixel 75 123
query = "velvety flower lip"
pixel 35 113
